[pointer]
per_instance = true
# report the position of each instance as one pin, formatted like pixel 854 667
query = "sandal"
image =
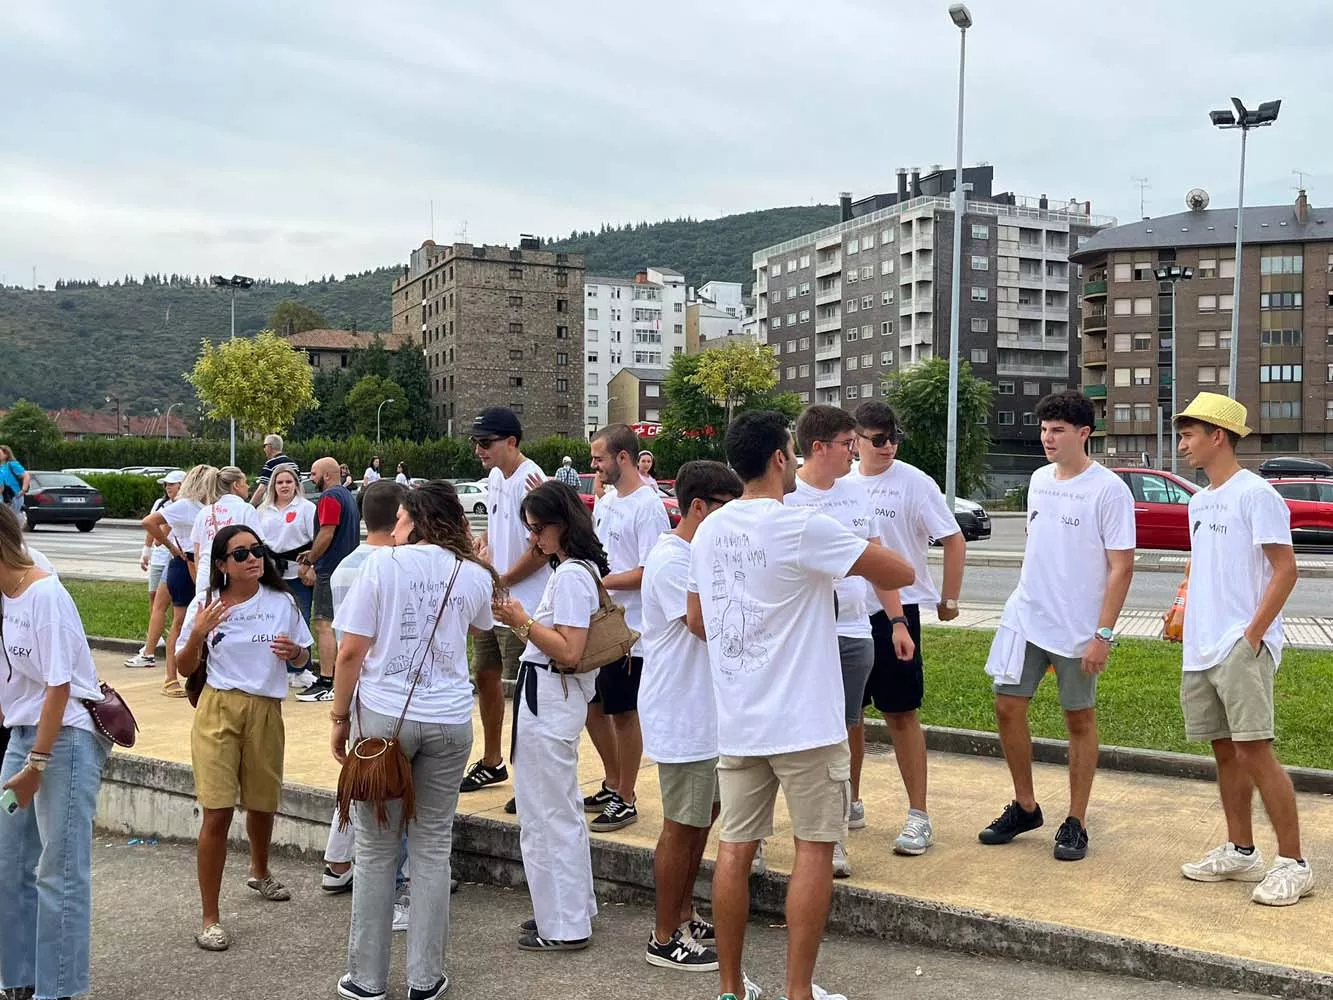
pixel 172 689
pixel 214 938
pixel 270 888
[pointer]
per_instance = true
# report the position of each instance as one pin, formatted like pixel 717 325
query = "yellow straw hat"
pixel 1218 410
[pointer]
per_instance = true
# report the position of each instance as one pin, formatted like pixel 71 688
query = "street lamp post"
pixel 1243 119
pixel 112 397
pixel 963 19
pixel 237 282
pixel 1174 273
pixel 377 418
pixel 169 409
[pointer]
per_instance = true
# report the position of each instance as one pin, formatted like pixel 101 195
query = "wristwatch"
pixel 950 603
pixel 523 630
pixel 898 620
pixel 1105 635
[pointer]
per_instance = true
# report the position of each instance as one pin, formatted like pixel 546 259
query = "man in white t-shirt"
pixel 496 436
pixel 761 595
pixel 1242 571
pixel 629 518
pixel 1077 567
pixel 679 720
pixel 909 511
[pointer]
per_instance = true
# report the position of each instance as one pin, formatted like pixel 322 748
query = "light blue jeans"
pixel 46 889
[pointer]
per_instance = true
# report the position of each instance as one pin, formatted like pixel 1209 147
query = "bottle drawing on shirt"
pixel 737 625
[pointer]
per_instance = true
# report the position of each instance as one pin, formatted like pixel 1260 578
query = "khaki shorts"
pixel 1233 700
pixel 498 649
pixel 816 784
pixel 689 792
pixel 236 749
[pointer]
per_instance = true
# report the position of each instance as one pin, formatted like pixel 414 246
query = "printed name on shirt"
pixel 20 650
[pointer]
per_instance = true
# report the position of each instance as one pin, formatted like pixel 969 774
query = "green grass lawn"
pixel 1138 701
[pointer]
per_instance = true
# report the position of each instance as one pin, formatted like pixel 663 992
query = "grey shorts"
pixel 1232 700
pixel 858 659
pixel 498 649
pixel 1078 690
pixel 322 606
pixel 689 792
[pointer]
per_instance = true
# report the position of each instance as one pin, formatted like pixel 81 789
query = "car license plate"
pixel 73 499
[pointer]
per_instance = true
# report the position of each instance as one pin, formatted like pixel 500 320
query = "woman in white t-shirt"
pixel 404 626
pixel 550 709
pixel 402 478
pixel 231 505
pixel 372 473
pixel 287 525
pixel 51 774
pixel 252 629
pixel 154 561
pixel 647 465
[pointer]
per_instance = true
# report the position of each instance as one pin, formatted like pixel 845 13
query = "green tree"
pixel 920 398
pixel 363 402
pixel 295 317
pixel 736 373
pixel 28 430
pixel 409 370
pixel 374 360
pixel 261 382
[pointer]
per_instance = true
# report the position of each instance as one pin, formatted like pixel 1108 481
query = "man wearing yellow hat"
pixel 1243 570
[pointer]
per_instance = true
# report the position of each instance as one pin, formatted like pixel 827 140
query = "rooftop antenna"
pixel 1300 178
pixel 432 218
pixel 462 232
pixel 1143 184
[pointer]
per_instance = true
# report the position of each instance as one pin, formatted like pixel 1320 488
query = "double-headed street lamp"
pixel 237 282
pixel 963 19
pixel 377 418
pixel 1244 119
pixel 1174 273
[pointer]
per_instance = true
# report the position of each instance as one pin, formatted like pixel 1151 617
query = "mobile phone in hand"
pixel 9 802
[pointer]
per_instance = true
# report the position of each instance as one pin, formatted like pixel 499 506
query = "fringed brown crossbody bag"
pixel 376 771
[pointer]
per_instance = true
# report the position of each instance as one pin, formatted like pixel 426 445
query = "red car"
pixel 589 498
pixel 1161 508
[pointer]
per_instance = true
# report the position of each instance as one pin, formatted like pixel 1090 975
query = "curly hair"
pixel 438 519
pixel 553 502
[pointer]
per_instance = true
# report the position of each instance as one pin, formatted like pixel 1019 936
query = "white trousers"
pixel 553 832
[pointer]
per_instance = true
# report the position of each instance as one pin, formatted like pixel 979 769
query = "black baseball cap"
pixel 497 422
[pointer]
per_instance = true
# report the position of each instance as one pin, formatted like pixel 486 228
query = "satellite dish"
pixel 1197 199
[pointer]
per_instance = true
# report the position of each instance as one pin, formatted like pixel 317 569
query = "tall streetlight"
pixel 1243 119
pixel 1174 273
pixel 237 282
pixel 113 398
pixel 169 409
pixel 377 418
pixel 963 19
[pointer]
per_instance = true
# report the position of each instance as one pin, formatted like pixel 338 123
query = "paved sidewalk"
pixel 1142 827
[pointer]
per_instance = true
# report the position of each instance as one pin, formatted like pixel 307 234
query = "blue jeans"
pixel 46 866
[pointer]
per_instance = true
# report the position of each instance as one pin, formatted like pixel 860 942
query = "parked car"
pixel 153 471
pixel 1310 500
pixel 973 521
pixel 473 496
pixel 62 498
pixel 589 498
pixel 1289 467
pixel 92 472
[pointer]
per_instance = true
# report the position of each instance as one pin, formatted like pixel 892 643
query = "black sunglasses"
pixel 484 442
pixel 534 529
pixel 880 440
pixel 243 554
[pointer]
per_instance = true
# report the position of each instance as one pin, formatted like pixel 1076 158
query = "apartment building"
pixel 637 323
pixel 1285 360
pixel 637 396
pixel 848 305
pixel 499 326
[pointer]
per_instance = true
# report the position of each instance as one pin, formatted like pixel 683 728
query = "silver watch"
pixel 950 604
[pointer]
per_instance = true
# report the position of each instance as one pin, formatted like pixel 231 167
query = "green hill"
pixel 69 347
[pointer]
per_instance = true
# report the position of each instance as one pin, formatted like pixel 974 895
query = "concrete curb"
pixel 151 798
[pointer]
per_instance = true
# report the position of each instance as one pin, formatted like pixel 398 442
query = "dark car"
pixel 1283 468
pixel 62 498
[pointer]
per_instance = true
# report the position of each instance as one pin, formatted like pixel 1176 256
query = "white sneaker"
pixel 1284 885
pixel 752 990
pixel 917 835
pixel 856 817
pixel 301 681
pixel 141 660
pixel 1225 863
pixel 332 882
pixel 759 865
pixel 402 911
pixel 819 993
pixel 842 868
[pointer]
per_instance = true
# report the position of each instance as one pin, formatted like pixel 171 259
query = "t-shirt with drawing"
pixel 1071 525
pixel 45 646
pixel 676 708
pixel 847 502
pixel 395 600
pixel 230 509
pixel 764 573
pixel 628 528
pixel 506 538
pixel 1229 572
pixel 239 658
pixel 909 511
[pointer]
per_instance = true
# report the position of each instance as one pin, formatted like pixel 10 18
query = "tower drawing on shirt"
pixel 738 625
pixel 435 661
pixel 408 631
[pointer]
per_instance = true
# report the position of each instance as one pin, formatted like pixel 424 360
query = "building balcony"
pixel 922 241
pixel 1058 343
pixel 1093 289
pixel 1095 390
pixel 829 325
pixel 1134 426
pixel 832 240
pixel 828 380
pixel 1094 323
pixel 827 298
pixel 1005 368
pixel 831 351
pixel 831 267
pixel 1099 426
pixel 1094 357
pixel 917 335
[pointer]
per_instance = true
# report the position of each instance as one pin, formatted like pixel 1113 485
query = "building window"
pixel 516 273
pixel 867 332
pixel 980 232
pixel 1120 377
pixel 980 324
pixel 678 307
pixel 805 343
pixel 1328 408
pixel 791 373
pixel 886 297
pixel 886 236
pixel 791 347
pixel 1122 342
pixel 561 385
pixel 562 333
pixel 1059 386
pixel 791 265
pixel 776 323
pixel 517 355
pixel 561 358
pixel 1004 388
pixel 1143 307
pixel 805 260
pixel 853 334
pixel 1277 338
pixel 886 266
pixel 1143 341
pixel 1225 302
pixel 886 328
pixel 591 293
pixel 805 288
pixel 1005 418
pixel 1029 419
pixel 1330 373
pixel 1143 376
pixel 868 302
pixel 886 358
pixel 591 312
pixel 1226 267
pixel 805 316
pixel 983 295
pixel 851 363
pixel 1207 267
pixel 1122 307
pixel 867 272
pixel 791 292
pixel 516 381
pixel 805 371
pixel 1276 300
pixel 1284 264
pixel 314 359
pixel 851 306
pixel 1285 409
pixel 1031 388
pixel 853 247
pixel 980 263
pixel 1207 375
pixel 1123 272
pixel 1207 338
pixel 853 275
pixel 652 390
pixel 980 355
pixel 516 300
pixel 1280 373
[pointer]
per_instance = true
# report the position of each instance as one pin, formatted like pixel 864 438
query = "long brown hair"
pixel 13 553
pixel 438 518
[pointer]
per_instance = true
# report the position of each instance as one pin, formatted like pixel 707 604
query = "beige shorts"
pixel 689 792
pixel 816 784
pixel 1233 700
pixel 498 649
pixel 236 749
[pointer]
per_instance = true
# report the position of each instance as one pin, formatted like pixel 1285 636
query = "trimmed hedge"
pixel 126 496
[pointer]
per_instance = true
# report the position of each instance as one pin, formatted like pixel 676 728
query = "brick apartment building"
pixel 499 326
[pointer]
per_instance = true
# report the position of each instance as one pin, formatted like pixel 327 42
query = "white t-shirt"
pixel 1228 570
pixel 180 515
pixel 400 479
pixel 231 509
pixel 847 503
pixel 159 554
pixel 1071 525
pixel 40 561
pixel 629 527
pixel 287 528
pixel 676 708
pixel 46 646
pixel 506 537
pixel 370 476
pixel 239 658
pixel 909 511
pixel 346 574
pixel 396 602
pixel 764 573
pixel 570 598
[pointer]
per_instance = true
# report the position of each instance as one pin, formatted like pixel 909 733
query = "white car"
pixel 473 497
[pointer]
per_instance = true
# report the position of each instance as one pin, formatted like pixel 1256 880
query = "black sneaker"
pixel 434 993
pixel 598 801
pixel 681 952
pixel 617 815
pixel 321 690
pixel 511 807
pixel 701 930
pixel 1071 841
pixel 481 774
pixel 1013 821
pixel 532 941
pixel 349 990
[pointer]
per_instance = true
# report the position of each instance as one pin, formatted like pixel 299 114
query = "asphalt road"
pixel 145 914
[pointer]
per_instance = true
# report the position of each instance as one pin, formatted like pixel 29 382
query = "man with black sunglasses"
pixel 909 511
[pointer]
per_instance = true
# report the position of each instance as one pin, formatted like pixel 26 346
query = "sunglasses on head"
pixel 243 554
pixel 882 439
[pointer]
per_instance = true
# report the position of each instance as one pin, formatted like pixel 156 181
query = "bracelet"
pixel 340 719
pixel 37 762
pixel 898 620
pixel 524 630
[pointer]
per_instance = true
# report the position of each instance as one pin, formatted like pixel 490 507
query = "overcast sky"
pixel 295 138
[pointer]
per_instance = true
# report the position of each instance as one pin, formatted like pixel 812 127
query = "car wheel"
pixel 479 509
pixel 30 524
pixel 86 526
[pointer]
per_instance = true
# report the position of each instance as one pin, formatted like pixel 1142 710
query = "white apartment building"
pixel 629 323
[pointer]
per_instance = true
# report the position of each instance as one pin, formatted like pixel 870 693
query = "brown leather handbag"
pixel 610 639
